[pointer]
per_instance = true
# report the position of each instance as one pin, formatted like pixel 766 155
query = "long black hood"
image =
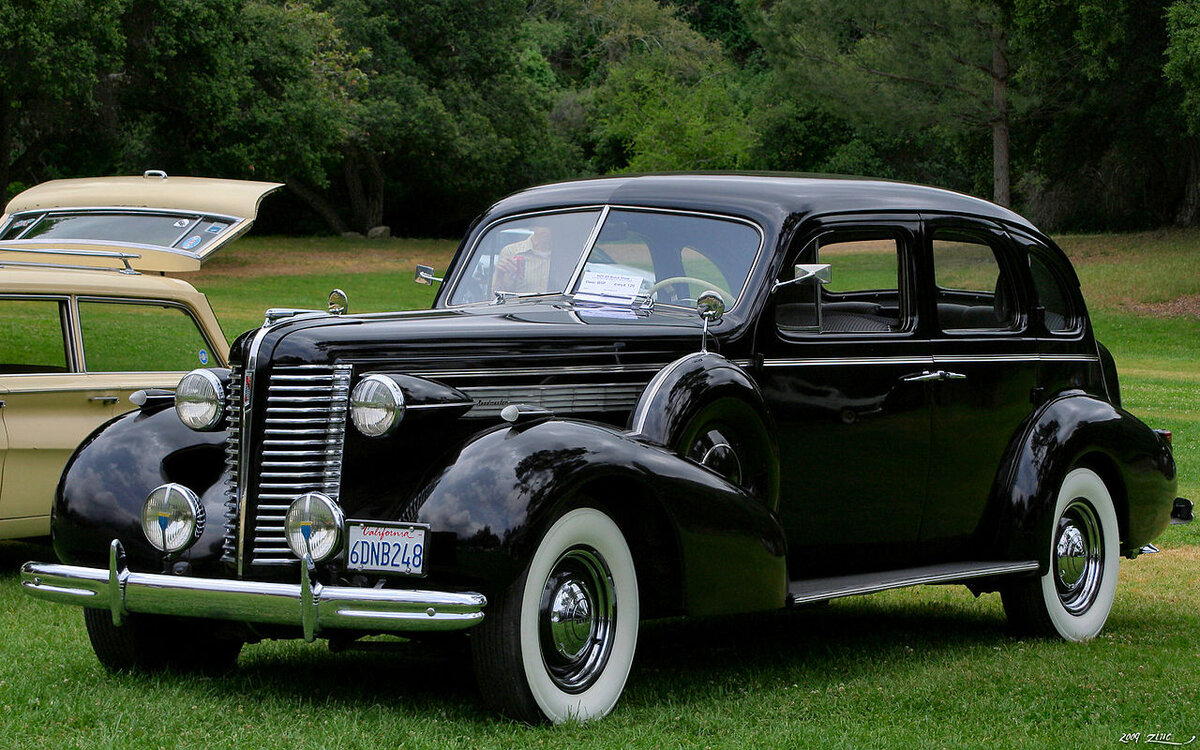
pixel 484 338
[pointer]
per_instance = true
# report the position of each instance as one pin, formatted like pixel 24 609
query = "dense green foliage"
pixel 417 114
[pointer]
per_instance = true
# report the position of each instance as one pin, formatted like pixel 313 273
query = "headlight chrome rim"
pixel 172 518
pixel 325 524
pixel 363 402
pixel 186 399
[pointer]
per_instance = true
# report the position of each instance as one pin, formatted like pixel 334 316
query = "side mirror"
pixel 710 307
pixel 424 275
pixel 339 303
pixel 822 272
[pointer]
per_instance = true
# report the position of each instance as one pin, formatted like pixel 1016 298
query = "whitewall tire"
pixel 558 645
pixel 1073 599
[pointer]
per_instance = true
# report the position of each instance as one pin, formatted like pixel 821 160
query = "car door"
pixel 987 365
pixel 49 407
pixel 127 344
pixel 853 427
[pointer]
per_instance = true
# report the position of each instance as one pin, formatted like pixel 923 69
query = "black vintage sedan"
pixel 634 397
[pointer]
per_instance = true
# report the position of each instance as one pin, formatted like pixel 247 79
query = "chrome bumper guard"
pixel 307 605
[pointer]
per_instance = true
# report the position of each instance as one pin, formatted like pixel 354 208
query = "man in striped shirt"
pixel 524 266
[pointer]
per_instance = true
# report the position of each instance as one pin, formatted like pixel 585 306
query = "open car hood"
pixel 149 223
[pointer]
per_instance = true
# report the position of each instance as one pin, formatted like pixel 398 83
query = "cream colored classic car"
pixel 87 317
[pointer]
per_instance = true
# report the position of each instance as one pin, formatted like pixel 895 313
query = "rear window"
pixel 174 230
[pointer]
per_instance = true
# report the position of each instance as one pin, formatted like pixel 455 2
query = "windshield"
pixel 671 258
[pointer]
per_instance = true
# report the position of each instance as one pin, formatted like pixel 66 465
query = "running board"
pixel 819 589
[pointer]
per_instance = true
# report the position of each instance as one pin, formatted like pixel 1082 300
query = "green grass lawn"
pixel 926 667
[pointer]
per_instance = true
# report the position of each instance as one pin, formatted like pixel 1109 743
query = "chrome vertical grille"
pixel 304 429
pixel 233 443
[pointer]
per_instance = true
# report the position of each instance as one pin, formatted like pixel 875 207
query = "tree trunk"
pixel 364 190
pixel 6 133
pixel 1189 207
pixel 1001 174
pixel 319 204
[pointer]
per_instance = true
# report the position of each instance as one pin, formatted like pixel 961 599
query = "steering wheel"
pixel 706 285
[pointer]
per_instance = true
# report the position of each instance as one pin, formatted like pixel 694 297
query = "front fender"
pixel 494 498
pixel 106 481
pixel 1072 429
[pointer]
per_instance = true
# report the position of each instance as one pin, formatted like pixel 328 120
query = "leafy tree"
pixel 56 59
pixel 939 65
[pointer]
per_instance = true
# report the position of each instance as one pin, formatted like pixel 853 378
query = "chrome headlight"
pixel 313 526
pixel 376 405
pixel 200 400
pixel 172 518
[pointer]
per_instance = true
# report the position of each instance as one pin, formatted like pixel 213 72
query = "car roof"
pixel 770 197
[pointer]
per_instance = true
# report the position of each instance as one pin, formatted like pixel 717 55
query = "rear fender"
pixel 106 481
pixel 489 504
pixel 1077 429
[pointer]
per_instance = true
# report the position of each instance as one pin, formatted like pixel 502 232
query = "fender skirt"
pixel 690 530
pixel 106 481
pixel 1076 429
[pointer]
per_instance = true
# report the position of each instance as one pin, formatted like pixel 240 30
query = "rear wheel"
pixel 149 643
pixel 558 644
pixel 1073 599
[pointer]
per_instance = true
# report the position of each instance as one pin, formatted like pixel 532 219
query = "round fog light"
pixel 313 526
pixel 172 518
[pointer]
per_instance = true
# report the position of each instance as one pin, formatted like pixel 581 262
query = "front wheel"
pixel 1073 599
pixel 558 644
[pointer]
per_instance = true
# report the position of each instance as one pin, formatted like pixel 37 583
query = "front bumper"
pixel 307 604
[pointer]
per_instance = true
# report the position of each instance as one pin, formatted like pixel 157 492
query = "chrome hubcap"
pixel 571 619
pixel 577 619
pixel 1079 558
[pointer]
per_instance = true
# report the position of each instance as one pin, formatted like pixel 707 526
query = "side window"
pixel 973 290
pixel 132 337
pixel 864 296
pixel 1052 296
pixel 31 337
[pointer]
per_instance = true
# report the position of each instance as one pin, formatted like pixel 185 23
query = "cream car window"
pixel 131 337
pixel 31 337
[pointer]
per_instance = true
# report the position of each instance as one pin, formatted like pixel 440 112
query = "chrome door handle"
pixel 107 400
pixel 933 375
pixel 1 404
pixel 922 377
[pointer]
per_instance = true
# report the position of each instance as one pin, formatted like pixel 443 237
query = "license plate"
pixel 386 547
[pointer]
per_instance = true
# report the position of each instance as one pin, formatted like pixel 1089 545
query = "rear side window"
pixel 132 337
pixel 1052 296
pixel 31 337
pixel 973 290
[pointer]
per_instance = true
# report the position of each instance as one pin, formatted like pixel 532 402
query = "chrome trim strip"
pixel 327 608
pixel 520 371
pixel 561 399
pixel 247 454
pixel 929 360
